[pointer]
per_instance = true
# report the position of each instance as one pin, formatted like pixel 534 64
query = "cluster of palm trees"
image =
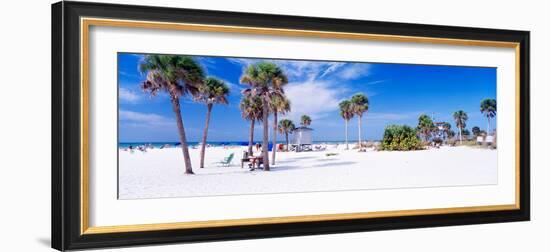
pixel 488 107
pixel 264 96
pixel 357 105
pixel 180 76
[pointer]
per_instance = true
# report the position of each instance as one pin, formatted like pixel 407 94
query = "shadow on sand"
pixel 295 167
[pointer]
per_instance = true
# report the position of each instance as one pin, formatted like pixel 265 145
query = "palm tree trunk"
pixel 460 134
pixel 251 138
pixel 265 142
pixel 183 139
pixel 488 125
pixel 203 146
pixel 274 138
pixel 347 145
pixel 286 138
pixel 359 124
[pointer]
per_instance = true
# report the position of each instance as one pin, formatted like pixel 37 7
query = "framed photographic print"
pixel 179 125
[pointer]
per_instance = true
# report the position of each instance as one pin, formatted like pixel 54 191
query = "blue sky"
pixel 398 94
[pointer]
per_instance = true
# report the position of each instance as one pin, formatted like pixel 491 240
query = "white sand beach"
pixel 160 172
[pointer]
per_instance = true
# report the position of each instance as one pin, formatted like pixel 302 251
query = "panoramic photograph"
pixel 195 126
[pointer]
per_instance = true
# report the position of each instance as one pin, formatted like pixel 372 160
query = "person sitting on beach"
pixel 258 146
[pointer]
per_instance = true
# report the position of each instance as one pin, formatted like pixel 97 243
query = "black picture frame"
pixel 66 155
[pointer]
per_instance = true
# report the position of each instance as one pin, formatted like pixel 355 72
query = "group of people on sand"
pixel 142 148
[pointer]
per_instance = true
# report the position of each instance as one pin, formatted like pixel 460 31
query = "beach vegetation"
pixel 265 80
pixel 286 127
pixel 213 91
pixel 488 108
pixel 359 105
pixel 177 76
pixel 400 138
pixel 425 126
pixel 251 110
pixel 305 120
pixel 460 118
pixel 346 112
pixel 279 105
pixel 476 131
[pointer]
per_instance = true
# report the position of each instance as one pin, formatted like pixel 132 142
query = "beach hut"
pixel 302 140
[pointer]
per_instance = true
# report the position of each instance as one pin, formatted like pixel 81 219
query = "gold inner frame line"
pixel 85 24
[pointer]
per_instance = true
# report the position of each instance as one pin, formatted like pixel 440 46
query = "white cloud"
pixel 303 70
pixel 331 68
pixel 313 98
pixel 144 119
pixel 354 71
pixel 126 95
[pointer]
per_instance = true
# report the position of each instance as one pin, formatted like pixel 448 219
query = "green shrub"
pixel 400 137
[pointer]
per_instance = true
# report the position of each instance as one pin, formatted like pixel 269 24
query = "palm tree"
pixel 285 127
pixel 447 129
pixel 305 120
pixel 488 108
pixel 360 105
pixel 266 80
pixel 211 92
pixel 278 104
pixel 252 110
pixel 460 119
pixel 425 126
pixel 476 131
pixel 346 112
pixel 178 76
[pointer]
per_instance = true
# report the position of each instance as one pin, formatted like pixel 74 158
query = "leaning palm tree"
pixel 285 127
pixel 488 108
pixel 178 76
pixel 346 112
pixel 252 110
pixel 278 105
pixel 360 105
pixel 266 80
pixel 213 91
pixel 460 119
pixel 305 120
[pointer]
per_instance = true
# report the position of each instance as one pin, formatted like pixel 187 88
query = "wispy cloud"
pixel 128 96
pixel 354 71
pixel 133 118
pixel 314 98
pixel 304 70
pixel 392 116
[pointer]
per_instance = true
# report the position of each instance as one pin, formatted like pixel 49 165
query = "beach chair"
pixel 227 160
pixel 245 159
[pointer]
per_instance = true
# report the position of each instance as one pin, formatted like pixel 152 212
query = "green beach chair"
pixel 227 160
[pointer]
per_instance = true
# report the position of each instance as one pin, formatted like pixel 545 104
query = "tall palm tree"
pixel 252 110
pixel 265 79
pixel 178 76
pixel 425 126
pixel 285 127
pixel 346 112
pixel 460 119
pixel 488 108
pixel 213 91
pixel 360 105
pixel 278 105
pixel 305 120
